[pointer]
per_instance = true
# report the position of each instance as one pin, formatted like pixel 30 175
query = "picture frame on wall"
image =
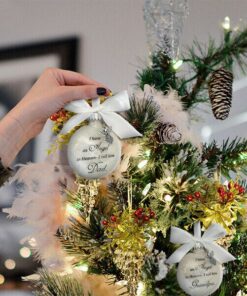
pixel 20 66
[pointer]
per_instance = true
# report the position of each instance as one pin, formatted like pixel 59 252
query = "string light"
pixel 83 267
pixel 142 164
pixel 140 289
pixel 148 153
pixel 2 279
pixel 25 252
pixel 227 23
pixel 71 211
pixel 206 132
pixel 168 198
pixel 177 64
pixel 9 264
pixel 146 189
pixel 32 242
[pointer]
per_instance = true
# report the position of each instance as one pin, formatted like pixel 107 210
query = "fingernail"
pixel 101 91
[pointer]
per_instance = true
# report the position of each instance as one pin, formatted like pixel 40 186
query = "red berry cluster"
pixel 228 193
pixel 143 215
pixel 113 219
pixel 60 115
pixel 196 196
pixel 140 216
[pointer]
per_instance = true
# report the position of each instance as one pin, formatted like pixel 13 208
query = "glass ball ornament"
pixel 94 151
pixel 199 274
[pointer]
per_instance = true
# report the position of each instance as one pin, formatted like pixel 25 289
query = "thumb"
pixel 70 93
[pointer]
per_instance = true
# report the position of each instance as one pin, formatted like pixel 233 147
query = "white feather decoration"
pixel 40 204
pixel 171 110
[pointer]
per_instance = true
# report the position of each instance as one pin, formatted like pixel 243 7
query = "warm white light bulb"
pixel 83 267
pixel 2 279
pixel 148 153
pixel 32 242
pixel 140 289
pixel 206 132
pixel 142 164
pixel 25 252
pixel 71 211
pixel 168 198
pixel 146 189
pixel 227 23
pixel 9 264
pixel 177 64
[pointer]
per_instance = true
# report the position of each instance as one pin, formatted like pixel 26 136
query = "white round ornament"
pixel 199 274
pixel 94 151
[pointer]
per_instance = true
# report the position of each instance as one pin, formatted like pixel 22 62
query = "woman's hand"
pixel 51 92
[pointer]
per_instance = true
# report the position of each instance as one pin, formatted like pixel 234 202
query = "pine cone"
pixel 168 133
pixel 220 92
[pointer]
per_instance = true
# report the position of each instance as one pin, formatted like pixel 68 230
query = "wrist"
pixel 13 136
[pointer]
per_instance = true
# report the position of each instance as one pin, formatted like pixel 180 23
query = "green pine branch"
pixel 143 114
pixel 231 156
pixel 160 74
pixel 202 61
pixel 52 284
pixel 81 239
pixel 235 278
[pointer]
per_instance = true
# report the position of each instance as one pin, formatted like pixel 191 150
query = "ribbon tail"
pixel 218 253
pixel 73 122
pixel 119 125
pixel 178 255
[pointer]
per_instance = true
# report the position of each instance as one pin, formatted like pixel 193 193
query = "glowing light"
pixel 71 211
pixel 146 189
pixel 168 198
pixel 140 289
pixel 226 183
pixel 177 64
pixel 25 252
pixel 83 267
pixel 32 242
pixel 227 23
pixel 2 279
pixel 142 164
pixel 9 264
pixel 206 132
pixel 148 153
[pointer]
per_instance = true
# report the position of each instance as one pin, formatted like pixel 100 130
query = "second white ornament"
pixel 199 274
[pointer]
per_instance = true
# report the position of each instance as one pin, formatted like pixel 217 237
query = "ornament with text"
pixel 94 151
pixel 200 270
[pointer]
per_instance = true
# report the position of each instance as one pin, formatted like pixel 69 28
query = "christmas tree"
pixel 116 229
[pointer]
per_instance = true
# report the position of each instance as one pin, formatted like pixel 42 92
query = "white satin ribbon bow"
pixel 118 103
pixel 188 241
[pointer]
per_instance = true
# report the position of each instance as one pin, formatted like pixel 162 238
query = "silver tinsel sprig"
pixel 164 23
